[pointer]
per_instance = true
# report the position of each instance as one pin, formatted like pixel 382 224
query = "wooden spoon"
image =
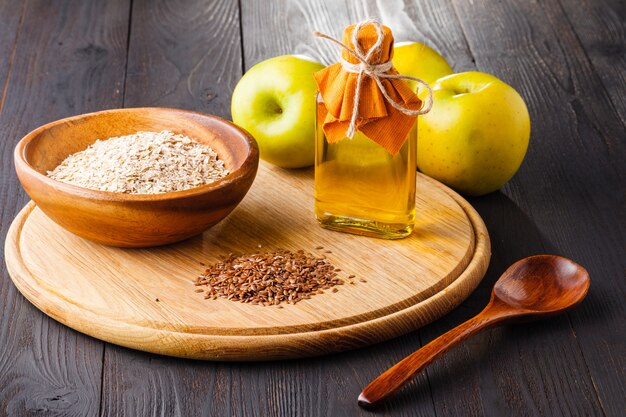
pixel 532 288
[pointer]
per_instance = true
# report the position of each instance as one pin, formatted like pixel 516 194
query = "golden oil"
pixel 361 188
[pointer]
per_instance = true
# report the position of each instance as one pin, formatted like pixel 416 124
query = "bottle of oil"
pixel 366 134
pixel 361 188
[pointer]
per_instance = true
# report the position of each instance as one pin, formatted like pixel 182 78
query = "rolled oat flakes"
pixel 142 163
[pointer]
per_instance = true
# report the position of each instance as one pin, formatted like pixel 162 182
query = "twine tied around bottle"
pixel 377 72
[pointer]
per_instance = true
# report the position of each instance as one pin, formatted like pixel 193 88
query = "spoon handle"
pixel 404 371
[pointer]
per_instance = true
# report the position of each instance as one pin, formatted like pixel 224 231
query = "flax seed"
pixel 269 278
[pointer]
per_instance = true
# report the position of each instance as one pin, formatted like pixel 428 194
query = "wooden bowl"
pixel 135 220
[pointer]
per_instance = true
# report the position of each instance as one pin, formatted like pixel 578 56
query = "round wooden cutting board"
pixel 145 299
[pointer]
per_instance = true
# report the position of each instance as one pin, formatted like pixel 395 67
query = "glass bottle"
pixel 361 188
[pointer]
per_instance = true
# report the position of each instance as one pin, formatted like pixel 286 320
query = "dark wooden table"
pixel 566 58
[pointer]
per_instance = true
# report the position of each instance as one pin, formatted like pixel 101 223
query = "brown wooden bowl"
pixel 135 220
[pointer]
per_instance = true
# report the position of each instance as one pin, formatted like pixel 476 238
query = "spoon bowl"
pixel 535 287
pixel 542 284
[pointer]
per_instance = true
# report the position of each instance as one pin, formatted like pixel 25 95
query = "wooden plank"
pixel 600 26
pixel 11 17
pixel 70 59
pixel 185 55
pixel 286 27
pixel 571 184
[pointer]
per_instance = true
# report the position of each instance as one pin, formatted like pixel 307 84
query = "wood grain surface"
pixel 565 57
pixel 600 26
pixel 571 171
pixel 145 299
pixel 69 58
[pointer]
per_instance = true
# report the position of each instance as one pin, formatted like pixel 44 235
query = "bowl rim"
pixel 251 160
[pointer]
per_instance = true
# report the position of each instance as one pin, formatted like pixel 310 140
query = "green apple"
pixel 418 60
pixel 476 135
pixel 275 102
